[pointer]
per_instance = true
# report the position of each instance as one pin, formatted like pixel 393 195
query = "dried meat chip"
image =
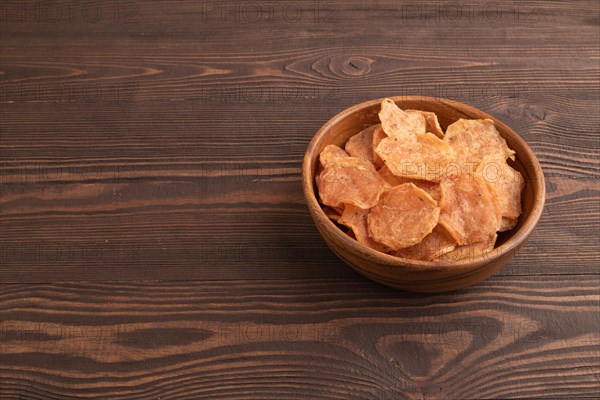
pixel 378 136
pixel 433 188
pixel 356 219
pixel 350 180
pixel 404 215
pixel 507 183
pixel 331 153
pixel 497 208
pixel 471 251
pixel 396 122
pixel 426 158
pixel 361 144
pixel 468 209
pixel 473 139
pixel 437 155
pixel 401 157
pixel 434 245
pixel 432 124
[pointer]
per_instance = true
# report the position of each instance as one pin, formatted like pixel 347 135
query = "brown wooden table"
pixel 155 243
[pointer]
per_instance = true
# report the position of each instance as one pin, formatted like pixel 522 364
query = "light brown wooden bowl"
pixel 412 275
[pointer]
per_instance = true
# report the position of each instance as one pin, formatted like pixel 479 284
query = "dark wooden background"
pixel 154 239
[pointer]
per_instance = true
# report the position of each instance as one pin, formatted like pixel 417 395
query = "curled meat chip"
pixel 508 185
pixel 432 124
pixel 361 144
pixel 399 123
pixel 434 245
pixel 404 215
pixel 356 219
pixel 472 140
pixel 497 207
pixel 350 180
pixel 425 158
pixel 469 209
pixel 331 153
pixel 378 136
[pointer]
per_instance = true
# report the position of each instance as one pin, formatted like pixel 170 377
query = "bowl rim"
pixel 394 262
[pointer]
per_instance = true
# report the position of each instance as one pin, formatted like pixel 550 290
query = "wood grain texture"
pixel 162 141
pixel 332 339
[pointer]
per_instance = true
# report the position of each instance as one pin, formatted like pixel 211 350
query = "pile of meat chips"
pixel 407 188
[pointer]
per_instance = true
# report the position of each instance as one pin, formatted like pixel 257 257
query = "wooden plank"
pixel 235 19
pixel 346 339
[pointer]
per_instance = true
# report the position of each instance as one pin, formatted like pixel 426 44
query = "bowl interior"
pixel 351 121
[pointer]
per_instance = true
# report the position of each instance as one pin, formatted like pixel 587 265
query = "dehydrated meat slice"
pixel 404 215
pixel 396 122
pixel 331 153
pixel 468 209
pixel 361 144
pixel 432 124
pixel 425 158
pixel 350 180
pixel 508 185
pixel 356 219
pixel 378 136
pixel 473 139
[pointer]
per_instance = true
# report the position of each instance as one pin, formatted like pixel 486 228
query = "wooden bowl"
pixel 413 275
